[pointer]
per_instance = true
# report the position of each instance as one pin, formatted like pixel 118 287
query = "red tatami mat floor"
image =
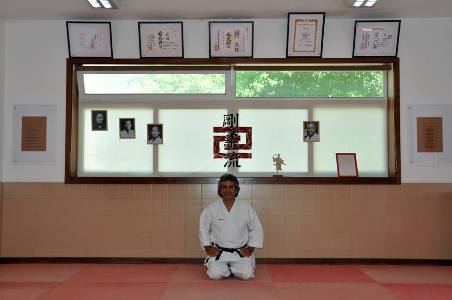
pixel 188 281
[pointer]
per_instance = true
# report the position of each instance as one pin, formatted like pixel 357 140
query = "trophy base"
pixel 278 176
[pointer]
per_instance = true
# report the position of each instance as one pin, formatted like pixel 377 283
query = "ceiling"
pixel 214 9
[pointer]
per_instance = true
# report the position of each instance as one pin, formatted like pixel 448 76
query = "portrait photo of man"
pixel 155 134
pixel 126 128
pixel 311 132
pixel 99 120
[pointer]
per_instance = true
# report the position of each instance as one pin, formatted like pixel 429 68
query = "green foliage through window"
pixel 325 84
pixel 155 83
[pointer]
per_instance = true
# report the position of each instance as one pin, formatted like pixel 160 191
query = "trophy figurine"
pixel 278 162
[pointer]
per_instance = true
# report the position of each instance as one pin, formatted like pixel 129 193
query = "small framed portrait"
pixel 126 128
pixel 346 165
pixel 155 134
pixel 99 120
pixel 231 39
pixel 89 39
pixel 376 38
pixel 161 39
pixel 311 131
pixel 305 34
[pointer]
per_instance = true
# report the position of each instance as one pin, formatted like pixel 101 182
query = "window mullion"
pixel 310 145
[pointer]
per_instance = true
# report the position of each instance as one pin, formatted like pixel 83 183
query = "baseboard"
pixel 133 260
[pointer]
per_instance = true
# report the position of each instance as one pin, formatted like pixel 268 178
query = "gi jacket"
pixel 230 229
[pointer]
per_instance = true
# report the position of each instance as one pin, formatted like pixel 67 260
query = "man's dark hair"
pixel 229 177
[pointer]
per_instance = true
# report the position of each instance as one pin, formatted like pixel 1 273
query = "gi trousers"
pixel 242 268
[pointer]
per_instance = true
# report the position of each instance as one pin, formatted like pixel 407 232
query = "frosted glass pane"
pixel 188 141
pixel 351 129
pixel 275 131
pixel 103 153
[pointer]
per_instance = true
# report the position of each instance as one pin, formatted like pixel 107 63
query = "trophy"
pixel 278 162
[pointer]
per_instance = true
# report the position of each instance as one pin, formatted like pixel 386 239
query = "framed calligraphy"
pixel 89 39
pixel 305 34
pixel 161 39
pixel 231 39
pixel 376 38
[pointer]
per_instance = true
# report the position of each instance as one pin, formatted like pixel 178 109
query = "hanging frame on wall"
pixel 161 39
pixel 231 39
pixel 305 34
pixel 89 39
pixel 376 38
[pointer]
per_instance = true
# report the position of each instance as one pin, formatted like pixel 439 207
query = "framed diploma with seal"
pixel 161 39
pixel 376 38
pixel 305 34
pixel 231 39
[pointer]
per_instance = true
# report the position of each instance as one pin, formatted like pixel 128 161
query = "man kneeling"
pixel 229 231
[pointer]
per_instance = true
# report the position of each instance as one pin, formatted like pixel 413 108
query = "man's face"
pixel 310 129
pixel 227 190
pixel 128 125
pixel 155 131
pixel 99 118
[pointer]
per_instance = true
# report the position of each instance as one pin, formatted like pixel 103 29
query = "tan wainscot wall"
pixel 300 221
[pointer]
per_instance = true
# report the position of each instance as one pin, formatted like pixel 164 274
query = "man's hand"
pixel 212 251
pixel 247 251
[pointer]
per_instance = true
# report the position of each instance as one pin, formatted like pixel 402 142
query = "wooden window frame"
pixel 391 64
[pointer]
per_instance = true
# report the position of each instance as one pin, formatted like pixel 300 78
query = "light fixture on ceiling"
pixel 360 3
pixel 108 4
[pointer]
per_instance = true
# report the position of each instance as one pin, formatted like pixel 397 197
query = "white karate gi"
pixel 230 229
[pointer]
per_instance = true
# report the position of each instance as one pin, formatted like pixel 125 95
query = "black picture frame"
pixel 150 139
pixel 382 46
pixel 315 137
pixel 89 39
pixel 130 133
pixel 215 52
pixel 316 23
pixel 97 125
pixel 177 29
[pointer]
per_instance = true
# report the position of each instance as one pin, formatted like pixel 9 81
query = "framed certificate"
pixel 376 38
pixel 89 39
pixel 231 39
pixel 305 34
pixel 346 165
pixel 161 39
pixel 34 134
pixel 430 135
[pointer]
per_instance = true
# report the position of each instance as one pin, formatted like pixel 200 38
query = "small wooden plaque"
pixel 34 131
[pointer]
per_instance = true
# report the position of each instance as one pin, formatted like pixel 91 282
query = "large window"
pixel 354 102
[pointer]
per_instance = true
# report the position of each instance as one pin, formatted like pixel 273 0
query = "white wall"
pixel 425 52
pixel 2 91
pixel 35 73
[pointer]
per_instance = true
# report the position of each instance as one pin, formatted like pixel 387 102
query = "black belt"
pixel 230 250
